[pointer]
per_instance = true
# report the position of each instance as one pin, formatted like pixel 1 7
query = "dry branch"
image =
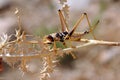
pixel 41 53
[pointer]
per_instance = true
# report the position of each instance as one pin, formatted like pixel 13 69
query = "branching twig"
pixel 87 42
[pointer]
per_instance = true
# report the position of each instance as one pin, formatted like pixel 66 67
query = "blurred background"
pixel 40 17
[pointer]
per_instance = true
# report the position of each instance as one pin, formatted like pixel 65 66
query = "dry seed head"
pixel 62 1
pixel 4 39
pixel 66 11
pixel 16 11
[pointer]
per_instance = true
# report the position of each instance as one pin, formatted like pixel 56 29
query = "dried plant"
pixel 22 49
pixel 62 2
pixel 65 9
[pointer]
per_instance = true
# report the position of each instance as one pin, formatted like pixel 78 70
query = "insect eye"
pixel 50 38
pixel 49 43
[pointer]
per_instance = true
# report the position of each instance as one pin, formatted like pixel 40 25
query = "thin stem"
pixel 18 18
pixel 87 42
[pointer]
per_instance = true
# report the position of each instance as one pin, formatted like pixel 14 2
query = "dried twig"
pixel 87 42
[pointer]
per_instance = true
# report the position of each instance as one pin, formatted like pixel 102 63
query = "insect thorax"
pixel 60 36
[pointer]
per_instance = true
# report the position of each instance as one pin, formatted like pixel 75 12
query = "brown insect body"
pixel 66 34
pixel 62 36
pixel 49 39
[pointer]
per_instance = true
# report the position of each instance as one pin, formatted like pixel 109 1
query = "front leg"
pixel 55 47
pixel 72 54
